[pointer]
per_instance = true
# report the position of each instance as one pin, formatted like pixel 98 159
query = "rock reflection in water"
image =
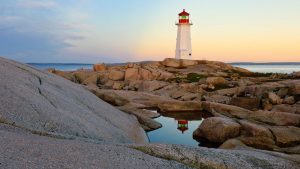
pixel 177 128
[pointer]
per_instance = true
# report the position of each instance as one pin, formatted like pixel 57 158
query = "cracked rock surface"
pixel 48 104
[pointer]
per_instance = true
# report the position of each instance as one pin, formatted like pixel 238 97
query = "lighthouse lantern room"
pixel 184 44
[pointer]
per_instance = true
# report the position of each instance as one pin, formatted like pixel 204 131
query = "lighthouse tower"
pixel 184 44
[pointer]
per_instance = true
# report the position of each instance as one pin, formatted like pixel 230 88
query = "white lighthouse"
pixel 184 44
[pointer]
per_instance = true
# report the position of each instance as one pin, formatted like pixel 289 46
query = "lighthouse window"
pixel 190 54
pixel 184 17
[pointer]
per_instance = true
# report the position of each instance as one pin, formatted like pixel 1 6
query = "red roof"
pixel 184 13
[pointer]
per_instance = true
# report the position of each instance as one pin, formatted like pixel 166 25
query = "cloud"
pixel 38 4
pixel 29 33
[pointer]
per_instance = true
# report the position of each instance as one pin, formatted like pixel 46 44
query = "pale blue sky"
pixel 133 30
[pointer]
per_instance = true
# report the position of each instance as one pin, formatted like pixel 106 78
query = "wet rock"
pixel 286 136
pixel 180 106
pixel 116 75
pixel 99 67
pixel 217 129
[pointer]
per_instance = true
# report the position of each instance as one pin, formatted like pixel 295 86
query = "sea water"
pixel 262 68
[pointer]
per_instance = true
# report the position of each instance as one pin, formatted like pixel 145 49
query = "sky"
pixel 114 31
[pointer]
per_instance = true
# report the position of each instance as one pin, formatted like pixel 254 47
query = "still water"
pixel 177 128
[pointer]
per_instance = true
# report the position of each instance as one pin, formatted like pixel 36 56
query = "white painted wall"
pixel 184 44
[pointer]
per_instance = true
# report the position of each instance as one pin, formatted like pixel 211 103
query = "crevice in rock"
pixel 40 92
pixel 40 80
pixel 274 136
pixel 47 98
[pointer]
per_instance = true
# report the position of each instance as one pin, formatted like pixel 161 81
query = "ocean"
pixel 255 67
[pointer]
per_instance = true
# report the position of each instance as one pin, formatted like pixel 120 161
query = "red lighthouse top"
pixel 184 17
pixel 184 13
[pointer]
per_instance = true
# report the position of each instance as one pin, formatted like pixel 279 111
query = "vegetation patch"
pixel 76 79
pixel 194 77
pixel 189 78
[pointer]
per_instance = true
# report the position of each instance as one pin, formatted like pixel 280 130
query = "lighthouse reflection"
pixel 177 128
pixel 183 125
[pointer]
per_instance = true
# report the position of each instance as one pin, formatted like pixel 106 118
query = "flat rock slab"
pixel 24 150
pixel 222 159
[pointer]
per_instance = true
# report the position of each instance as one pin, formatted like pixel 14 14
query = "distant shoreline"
pixel 232 63
pixel 264 63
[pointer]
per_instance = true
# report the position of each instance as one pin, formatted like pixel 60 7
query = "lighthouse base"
pixel 183 54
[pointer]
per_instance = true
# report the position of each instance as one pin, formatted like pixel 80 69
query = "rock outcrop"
pixel 49 122
pixel 44 103
pixel 218 129
pixel 99 67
